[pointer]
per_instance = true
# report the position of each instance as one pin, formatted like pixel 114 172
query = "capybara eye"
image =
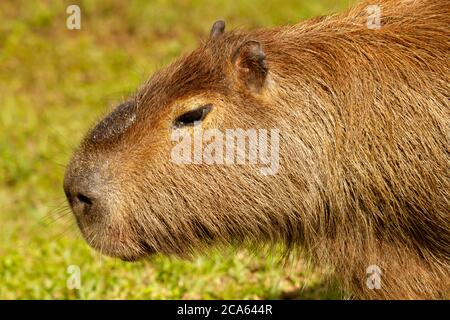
pixel 192 117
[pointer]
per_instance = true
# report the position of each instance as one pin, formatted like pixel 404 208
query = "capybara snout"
pixel 327 135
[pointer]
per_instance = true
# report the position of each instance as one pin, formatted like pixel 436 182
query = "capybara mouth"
pixel 130 258
pixel 148 251
pixel 145 252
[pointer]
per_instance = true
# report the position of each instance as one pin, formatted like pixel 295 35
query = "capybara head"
pixel 330 135
pixel 130 194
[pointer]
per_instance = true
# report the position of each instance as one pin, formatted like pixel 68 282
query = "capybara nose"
pixel 80 202
pixel 81 194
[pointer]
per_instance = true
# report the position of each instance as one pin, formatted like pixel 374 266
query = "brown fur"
pixel 364 171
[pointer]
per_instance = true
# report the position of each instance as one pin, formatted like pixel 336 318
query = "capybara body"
pixel 363 180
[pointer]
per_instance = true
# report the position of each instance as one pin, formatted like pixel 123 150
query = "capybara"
pixel 363 179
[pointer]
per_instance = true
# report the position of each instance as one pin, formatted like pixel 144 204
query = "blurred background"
pixel 54 84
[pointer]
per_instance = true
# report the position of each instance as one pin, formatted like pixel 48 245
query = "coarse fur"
pixel 364 175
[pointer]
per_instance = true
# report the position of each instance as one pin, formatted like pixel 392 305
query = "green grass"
pixel 54 83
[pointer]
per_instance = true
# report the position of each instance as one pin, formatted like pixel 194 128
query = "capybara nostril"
pixel 83 192
pixel 85 203
pixel 84 199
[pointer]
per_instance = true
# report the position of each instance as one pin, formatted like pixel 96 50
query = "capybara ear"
pixel 217 29
pixel 250 63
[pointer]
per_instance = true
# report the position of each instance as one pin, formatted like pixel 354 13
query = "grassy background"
pixel 54 83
